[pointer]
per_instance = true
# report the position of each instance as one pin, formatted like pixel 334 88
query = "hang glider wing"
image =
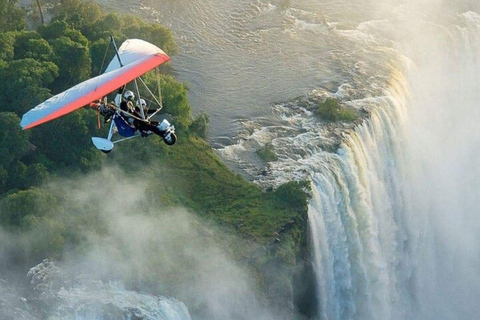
pixel 138 57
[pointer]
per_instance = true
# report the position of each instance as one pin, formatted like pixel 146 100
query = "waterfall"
pixel 355 219
pixel 394 213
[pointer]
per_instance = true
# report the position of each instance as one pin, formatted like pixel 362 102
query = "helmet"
pixel 142 103
pixel 129 95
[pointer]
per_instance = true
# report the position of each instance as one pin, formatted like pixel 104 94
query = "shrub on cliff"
pixel 295 193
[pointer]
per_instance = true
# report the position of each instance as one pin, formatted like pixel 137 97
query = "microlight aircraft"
pixel 133 59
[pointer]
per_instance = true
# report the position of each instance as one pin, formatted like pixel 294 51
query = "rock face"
pixel 298 273
pixel 58 294
pixel 14 306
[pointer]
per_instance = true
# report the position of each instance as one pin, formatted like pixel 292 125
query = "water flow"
pixel 394 215
pixel 355 219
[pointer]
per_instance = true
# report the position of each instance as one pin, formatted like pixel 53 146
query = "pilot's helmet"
pixel 129 95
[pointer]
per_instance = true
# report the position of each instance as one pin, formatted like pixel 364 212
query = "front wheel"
pixel 170 139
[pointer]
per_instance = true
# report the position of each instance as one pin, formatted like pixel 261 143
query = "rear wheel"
pixel 170 139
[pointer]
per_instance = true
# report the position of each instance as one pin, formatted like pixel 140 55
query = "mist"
pixel 150 250
pixel 444 178
pixel 441 143
pixel 432 178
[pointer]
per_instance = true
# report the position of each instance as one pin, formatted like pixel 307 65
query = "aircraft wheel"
pixel 170 139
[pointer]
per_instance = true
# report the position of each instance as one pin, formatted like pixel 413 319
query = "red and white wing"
pixel 138 57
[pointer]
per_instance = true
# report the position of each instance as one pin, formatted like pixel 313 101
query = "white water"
pixel 356 219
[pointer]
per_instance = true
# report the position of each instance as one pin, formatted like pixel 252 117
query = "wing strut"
pixel 116 51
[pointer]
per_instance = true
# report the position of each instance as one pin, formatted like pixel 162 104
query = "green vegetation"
pixel 267 153
pixel 199 126
pixel 196 178
pixel 331 110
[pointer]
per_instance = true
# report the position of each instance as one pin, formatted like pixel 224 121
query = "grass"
pixel 190 174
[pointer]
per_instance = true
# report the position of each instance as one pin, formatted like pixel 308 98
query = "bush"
pixel 295 193
pixel 347 115
pixel 331 110
pixel 267 153
pixel 199 126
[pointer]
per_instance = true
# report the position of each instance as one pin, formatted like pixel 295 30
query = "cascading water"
pixel 356 222
pixel 394 217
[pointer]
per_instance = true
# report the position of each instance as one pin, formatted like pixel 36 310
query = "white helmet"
pixel 142 103
pixel 129 95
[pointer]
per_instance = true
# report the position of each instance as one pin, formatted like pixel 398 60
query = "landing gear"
pixel 168 131
pixel 170 139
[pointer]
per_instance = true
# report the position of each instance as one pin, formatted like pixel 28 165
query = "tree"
pixel 42 21
pixel 7 41
pixel 12 16
pixel 331 110
pixel 175 101
pixel 111 25
pixel 71 53
pixel 294 193
pixel 199 126
pixel 36 202
pixel 61 28
pixel 13 140
pixel 100 60
pixel 74 59
pixel 24 84
pixel 14 145
pixel 17 175
pixel 54 30
pixel 36 174
pixel 3 180
pixel 81 15
pixel 64 141
pixel 29 44
pixel 267 153
pixel 151 32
